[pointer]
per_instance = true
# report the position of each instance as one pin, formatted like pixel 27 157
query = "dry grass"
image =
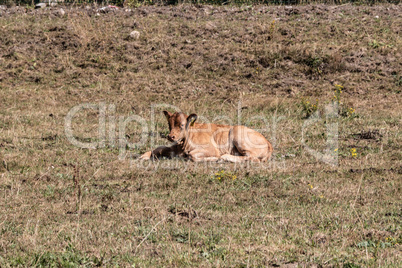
pixel 65 206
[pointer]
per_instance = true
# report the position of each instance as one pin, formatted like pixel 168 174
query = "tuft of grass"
pixel 308 107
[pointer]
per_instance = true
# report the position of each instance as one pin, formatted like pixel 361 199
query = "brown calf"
pixel 211 142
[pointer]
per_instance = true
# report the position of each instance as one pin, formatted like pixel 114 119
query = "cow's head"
pixel 179 124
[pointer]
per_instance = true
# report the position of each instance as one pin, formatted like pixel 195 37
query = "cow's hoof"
pixel 146 156
pixel 227 157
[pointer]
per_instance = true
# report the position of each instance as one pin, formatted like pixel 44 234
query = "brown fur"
pixel 211 142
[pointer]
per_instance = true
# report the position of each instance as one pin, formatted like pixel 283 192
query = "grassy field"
pixel 273 68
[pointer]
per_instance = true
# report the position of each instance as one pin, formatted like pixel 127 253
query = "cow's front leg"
pixel 146 156
pixel 202 155
pixel 238 158
pixel 161 152
pixel 158 153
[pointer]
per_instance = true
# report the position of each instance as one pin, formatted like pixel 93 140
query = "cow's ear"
pixel 167 114
pixel 191 120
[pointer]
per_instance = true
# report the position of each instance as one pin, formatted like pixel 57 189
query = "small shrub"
pixel 308 107
pixel 224 175
pixel 343 111
pixel 353 152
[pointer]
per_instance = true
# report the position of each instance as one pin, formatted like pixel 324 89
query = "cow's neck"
pixel 185 146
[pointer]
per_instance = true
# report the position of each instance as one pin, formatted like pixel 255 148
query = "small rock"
pixel 135 35
pixel 40 5
pixel 62 12
pixel 107 9
pixel 52 4
pixel 3 7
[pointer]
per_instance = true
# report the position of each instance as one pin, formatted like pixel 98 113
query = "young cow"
pixel 211 142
